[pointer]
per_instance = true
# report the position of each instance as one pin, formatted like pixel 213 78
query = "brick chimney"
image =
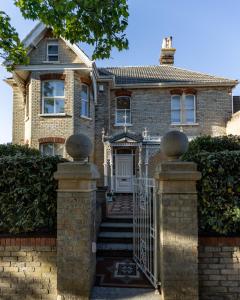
pixel 167 52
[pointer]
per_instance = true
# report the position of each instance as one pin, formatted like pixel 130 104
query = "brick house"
pixel 124 110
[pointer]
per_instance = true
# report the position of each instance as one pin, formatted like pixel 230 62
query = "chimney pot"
pixel 167 52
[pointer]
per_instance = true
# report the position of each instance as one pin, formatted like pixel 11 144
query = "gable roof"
pixel 161 74
pixel 38 32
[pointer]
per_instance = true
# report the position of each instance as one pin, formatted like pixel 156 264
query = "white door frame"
pixel 125 180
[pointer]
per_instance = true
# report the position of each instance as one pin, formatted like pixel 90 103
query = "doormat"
pixel 120 273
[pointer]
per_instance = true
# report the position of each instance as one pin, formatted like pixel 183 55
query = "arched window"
pixel 123 110
pixel 85 101
pixel 183 109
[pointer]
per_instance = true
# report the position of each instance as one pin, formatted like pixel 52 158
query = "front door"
pixel 124 173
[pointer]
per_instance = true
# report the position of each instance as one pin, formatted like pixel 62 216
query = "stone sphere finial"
pixel 78 146
pixel 174 144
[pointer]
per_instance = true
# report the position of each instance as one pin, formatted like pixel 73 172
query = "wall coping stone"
pixel 28 241
pixel 218 241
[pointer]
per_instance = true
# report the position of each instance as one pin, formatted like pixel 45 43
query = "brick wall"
pixel 219 268
pixel 151 108
pixel 18 116
pixel 28 268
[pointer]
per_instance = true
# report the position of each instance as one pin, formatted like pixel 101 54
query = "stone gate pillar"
pixel 76 213
pixel 178 224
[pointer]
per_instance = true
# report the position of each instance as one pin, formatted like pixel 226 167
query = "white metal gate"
pixel 145 228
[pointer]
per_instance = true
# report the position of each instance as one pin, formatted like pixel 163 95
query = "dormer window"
pixel 52 51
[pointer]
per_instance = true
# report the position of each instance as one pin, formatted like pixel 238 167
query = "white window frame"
pixel 52 44
pixel 116 111
pixel 86 101
pixel 41 148
pixel 183 110
pixel 54 97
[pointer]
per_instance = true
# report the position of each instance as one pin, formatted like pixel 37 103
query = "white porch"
pixel 126 157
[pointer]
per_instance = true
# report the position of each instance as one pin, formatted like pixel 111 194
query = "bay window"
pixel 123 111
pixel 53 97
pixel 183 109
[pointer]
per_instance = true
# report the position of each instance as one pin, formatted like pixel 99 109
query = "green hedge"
pixel 212 144
pixel 13 149
pixel 219 191
pixel 27 193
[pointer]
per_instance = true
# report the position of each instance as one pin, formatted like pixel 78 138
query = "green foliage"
pixel 212 144
pixel 96 22
pixel 11 49
pixel 13 149
pixel 27 193
pixel 218 190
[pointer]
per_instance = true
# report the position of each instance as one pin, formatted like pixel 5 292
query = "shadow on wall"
pixel 28 271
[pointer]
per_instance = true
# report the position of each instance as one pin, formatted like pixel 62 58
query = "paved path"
pixel 101 293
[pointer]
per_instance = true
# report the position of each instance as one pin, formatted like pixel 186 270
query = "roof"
pixel 161 74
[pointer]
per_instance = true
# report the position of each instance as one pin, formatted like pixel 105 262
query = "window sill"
pixel 123 125
pixel 53 115
pixel 51 62
pixel 86 118
pixel 184 124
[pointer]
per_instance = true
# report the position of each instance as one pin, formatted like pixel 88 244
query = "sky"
pixel 205 33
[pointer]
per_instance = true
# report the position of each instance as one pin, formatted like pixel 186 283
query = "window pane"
pixel 123 103
pixel 47 149
pixel 175 102
pixel 53 88
pixel 53 58
pixel 189 116
pixel 189 102
pixel 84 111
pixel 53 49
pixel 58 149
pixel 175 116
pixel 59 106
pixel 48 88
pixel 84 92
pixel 59 88
pixel 123 116
pixel 49 106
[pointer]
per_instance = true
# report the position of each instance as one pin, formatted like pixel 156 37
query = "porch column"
pixel 178 224
pixel 76 218
pixel 140 160
pixel 105 166
pixel 111 168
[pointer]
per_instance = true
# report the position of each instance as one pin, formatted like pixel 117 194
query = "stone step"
pixel 118 220
pixel 115 234
pixel 104 293
pixel 115 237
pixel 114 250
pixel 115 246
pixel 114 226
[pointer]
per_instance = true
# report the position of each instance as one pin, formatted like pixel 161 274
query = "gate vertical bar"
pixel 145 227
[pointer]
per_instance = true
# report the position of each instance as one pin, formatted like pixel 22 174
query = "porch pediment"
pixel 126 137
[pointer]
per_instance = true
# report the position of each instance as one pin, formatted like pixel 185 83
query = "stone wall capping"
pixel 76 170
pixel 179 176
